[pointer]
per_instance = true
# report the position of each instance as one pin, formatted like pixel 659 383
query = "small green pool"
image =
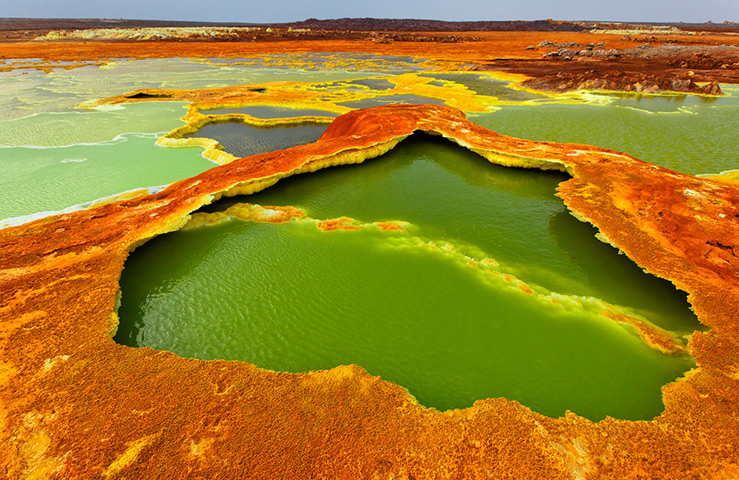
pixel 243 140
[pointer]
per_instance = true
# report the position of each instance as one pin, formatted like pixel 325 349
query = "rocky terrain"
pixel 642 69
pixel 621 81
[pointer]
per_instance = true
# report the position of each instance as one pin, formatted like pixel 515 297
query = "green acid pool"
pixel 415 306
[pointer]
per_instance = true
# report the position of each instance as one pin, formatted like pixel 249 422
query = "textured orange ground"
pixel 493 45
pixel 496 51
pixel 74 404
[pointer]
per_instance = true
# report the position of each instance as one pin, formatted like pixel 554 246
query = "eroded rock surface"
pixel 622 82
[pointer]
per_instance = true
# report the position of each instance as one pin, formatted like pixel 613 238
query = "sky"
pixel 270 11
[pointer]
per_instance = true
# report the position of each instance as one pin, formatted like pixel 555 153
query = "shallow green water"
pixel 57 129
pixel 293 298
pixel 689 134
pixel 484 85
pixel 56 160
pixel 53 178
pixel 242 140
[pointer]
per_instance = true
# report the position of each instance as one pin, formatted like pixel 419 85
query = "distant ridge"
pixel 355 25
pixel 413 25
pixel 92 23
pixel 351 24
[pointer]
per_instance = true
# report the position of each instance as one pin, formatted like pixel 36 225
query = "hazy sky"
pixel 265 11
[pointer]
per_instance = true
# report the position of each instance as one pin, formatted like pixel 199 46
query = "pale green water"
pixel 689 134
pixel 58 129
pixel 53 178
pixel 293 298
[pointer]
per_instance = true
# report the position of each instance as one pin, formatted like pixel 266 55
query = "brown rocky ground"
pixel 645 68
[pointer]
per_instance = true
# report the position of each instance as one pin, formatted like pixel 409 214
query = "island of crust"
pixel 74 404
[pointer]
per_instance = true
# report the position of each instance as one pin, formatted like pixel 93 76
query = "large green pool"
pixel 407 305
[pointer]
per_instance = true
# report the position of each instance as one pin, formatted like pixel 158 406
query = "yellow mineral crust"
pixel 74 404
pixel 247 211
pixel 296 95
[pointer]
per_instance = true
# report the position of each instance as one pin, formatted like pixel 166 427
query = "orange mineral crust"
pixel 462 48
pixel 498 44
pixel 555 60
pixel 74 404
